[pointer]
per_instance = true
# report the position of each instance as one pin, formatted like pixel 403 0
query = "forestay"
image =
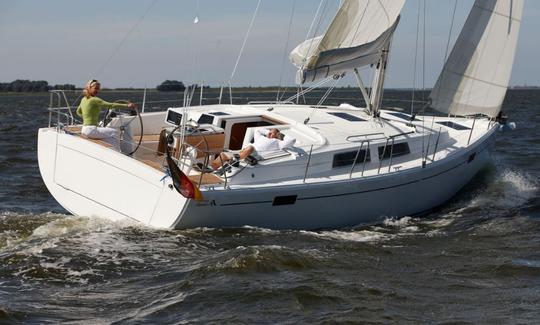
pixel 357 35
pixel 476 75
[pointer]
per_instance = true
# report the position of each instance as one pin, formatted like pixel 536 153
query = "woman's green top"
pixel 90 107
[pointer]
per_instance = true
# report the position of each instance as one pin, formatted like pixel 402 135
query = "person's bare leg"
pixel 246 152
pixel 222 159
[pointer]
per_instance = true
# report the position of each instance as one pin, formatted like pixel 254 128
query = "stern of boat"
pixel 90 179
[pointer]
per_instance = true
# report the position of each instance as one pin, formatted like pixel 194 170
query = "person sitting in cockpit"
pixel 89 109
pixel 265 140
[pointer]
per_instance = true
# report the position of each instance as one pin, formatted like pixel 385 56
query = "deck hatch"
pixel 398 149
pixel 454 126
pixel 347 158
pixel 284 200
pixel 218 113
pixel 347 116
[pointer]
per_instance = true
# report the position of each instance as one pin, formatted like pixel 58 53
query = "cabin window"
pixel 454 126
pixel 218 113
pixel 347 116
pixel 398 149
pixel 347 158
pixel 205 119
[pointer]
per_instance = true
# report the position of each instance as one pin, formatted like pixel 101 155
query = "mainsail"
pixel 359 32
pixel 476 75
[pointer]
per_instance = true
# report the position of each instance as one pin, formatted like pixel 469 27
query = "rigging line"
pixel 359 24
pixel 424 51
pixel 323 81
pixel 192 45
pixel 245 40
pixel 316 28
pixel 323 98
pixel 285 51
pixel 443 72
pixel 415 57
pixel 314 19
pixel 100 70
pixel 450 31
pixel 423 76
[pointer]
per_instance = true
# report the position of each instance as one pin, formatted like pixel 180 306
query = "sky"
pixel 138 43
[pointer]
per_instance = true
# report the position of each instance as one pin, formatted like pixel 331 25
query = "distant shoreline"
pixel 259 89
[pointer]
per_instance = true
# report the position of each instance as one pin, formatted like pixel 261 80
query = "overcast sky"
pixel 133 43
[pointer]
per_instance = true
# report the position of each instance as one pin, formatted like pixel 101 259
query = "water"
pixel 475 260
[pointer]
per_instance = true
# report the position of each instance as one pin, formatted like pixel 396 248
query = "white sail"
pixel 476 75
pixel 356 37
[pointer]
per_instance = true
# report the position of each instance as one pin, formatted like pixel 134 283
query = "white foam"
pixel 511 189
pixel 397 222
pixel 439 222
pixel 363 236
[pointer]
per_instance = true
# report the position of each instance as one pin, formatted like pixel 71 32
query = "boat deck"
pixel 149 155
pixel 325 147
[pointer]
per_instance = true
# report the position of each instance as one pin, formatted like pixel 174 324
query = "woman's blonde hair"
pixel 89 84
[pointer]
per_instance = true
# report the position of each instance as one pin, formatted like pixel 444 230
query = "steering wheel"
pixel 115 112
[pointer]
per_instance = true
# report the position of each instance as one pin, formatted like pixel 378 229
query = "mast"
pixel 378 82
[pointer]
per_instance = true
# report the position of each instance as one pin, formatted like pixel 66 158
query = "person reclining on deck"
pixel 264 140
pixel 89 111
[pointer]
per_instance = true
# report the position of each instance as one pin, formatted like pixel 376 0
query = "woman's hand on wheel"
pixel 132 105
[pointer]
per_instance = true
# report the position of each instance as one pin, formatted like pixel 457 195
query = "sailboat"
pixel 349 165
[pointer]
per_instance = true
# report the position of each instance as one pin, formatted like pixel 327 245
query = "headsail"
pixel 476 75
pixel 356 37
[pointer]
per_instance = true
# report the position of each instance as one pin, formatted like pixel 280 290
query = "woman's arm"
pixel 101 103
pixel 79 111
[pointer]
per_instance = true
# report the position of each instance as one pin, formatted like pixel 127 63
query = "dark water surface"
pixel 476 260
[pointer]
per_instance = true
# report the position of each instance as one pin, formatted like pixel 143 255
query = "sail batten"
pixel 475 77
pixel 356 37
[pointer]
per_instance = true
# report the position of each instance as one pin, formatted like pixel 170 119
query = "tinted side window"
pixel 205 119
pixel 347 158
pixel 399 149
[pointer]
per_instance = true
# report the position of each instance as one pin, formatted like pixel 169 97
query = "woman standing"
pixel 89 111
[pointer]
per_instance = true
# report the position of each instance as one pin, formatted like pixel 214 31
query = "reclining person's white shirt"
pixel 263 144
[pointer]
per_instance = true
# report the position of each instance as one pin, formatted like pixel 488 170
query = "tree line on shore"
pixel 20 85
pixel 31 86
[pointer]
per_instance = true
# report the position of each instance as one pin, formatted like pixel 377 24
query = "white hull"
pixel 90 180
pixel 338 204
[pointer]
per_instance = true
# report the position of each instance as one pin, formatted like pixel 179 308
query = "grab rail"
pixel 356 158
pixel 269 102
pixel 351 137
pixel 59 95
pixel 381 157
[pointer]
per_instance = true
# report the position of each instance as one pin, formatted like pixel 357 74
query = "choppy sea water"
pixel 475 260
